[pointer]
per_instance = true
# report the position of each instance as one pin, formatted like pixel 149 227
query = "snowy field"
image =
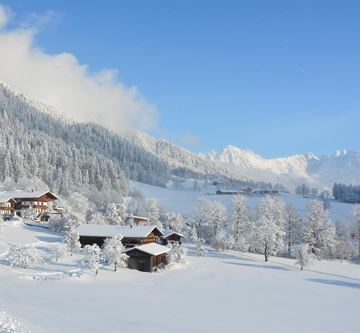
pixel 223 292
pixel 182 201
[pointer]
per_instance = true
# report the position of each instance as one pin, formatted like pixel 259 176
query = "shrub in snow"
pixel 29 214
pixel 176 254
pixel 92 257
pixel 10 325
pixel 59 252
pixel 219 242
pixel 113 252
pixel 24 255
pixel 304 257
pixel 72 241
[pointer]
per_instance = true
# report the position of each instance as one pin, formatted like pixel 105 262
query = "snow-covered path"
pixel 221 292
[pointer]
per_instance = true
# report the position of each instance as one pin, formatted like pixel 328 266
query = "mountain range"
pixel 37 141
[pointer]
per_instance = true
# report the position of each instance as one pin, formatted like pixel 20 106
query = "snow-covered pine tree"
pixel 356 217
pixel 319 232
pixel 23 255
pixel 72 241
pixel 114 252
pixel 303 256
pixel 199 242
pixel 175 221
pixel 92 257
pixel 153 213
pixel 292 227
pixel 241 223
pixel 269 226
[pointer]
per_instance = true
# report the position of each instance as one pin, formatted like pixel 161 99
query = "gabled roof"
pixel 19 194
pixel 170 233
pixel 4 199
pixel 150 248
pixel 106 230
pixel 137 217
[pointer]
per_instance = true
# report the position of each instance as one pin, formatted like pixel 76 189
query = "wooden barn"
pixel 132 235
pixel 7 207
pixel 172 237
pixel 148 257
pixel 38 200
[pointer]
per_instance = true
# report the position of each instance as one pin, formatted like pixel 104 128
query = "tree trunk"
pixel 266 252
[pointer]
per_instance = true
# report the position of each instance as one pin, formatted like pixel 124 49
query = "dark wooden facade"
pixel 145 262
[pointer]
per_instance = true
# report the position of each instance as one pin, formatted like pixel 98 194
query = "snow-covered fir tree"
pixel 174 221
pixel 319 232
pixel 23 255
pixel 113 252
pixel 269 226
pixel 113 215
pixel 217 217
pixel 153 213
pixel 92 257
pixel 72 241
pixel 304 256
pixel 199 242
pixel 202 215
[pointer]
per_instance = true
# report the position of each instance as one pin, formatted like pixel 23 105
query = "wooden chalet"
pixel 136 220
pixel 7 207
pixel 38 200
pixel 132 235
pixel 172 237
pixel 148 257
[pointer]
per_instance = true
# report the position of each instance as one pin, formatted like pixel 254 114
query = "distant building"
pixel 38 200
pixel 147 258
pixel 136 220
pixel 7 207
pixel 132 235
pixel 172 237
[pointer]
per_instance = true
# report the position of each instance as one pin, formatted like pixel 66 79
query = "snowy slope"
pixel 291 171
pixel 223 292
pixel 182 201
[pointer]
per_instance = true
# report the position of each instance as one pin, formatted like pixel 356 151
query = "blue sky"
pixel 276 77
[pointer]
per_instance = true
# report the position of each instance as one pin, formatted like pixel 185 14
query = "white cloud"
pixel 62 82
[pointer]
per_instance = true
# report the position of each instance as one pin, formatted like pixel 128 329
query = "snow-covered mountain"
pixel 290 171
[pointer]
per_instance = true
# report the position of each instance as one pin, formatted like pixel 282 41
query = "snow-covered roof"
pixel 105 230
pixel 169 233
pixel 4 199
pixel 24 194
pixel 137 217
pixel 153 249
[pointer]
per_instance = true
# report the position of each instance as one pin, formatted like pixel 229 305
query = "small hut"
pixel 148 257
pixel 172 237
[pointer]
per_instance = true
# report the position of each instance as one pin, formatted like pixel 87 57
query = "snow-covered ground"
pixel 223 292
pixel 182 201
